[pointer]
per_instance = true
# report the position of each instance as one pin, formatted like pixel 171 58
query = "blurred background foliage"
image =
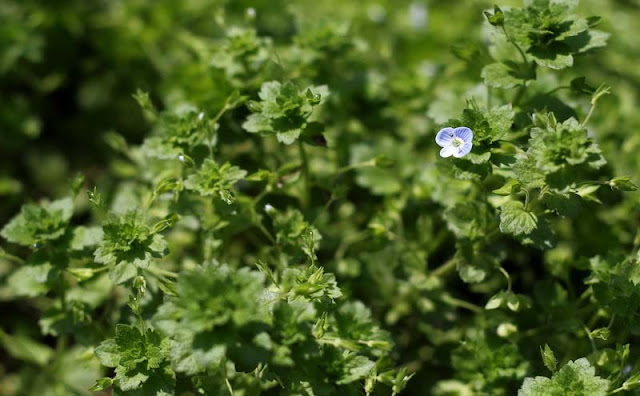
pixel 397 69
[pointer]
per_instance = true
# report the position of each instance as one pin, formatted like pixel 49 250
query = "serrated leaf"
pixel 107 353
pixel 515 220
pixel 217 180
pixel 39 223
pixel 575 378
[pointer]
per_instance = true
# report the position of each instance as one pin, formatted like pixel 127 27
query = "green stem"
pixel 526 198
pixel 214 121
pixel 11 257
pixel 445 268
pixel 229 388
pixel 365 164
pixel 518 95
pixel 557 89
pixel 524 57
pixel 593 343
pixel 266 233
pixel 586 120
pixel 163 272
pixel 262 194
pixel 506 275
pixel 305 174
pixel 461 303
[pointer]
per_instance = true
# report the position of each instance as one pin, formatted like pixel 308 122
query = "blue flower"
pixel 456 142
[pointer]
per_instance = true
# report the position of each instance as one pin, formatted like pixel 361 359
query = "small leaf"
pixel 548 358
pixel 102 384
pixel 510 187
pixel 601 333
pixel 622 184
pixel 24 348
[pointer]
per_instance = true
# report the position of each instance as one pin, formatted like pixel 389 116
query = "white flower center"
pixel 457 142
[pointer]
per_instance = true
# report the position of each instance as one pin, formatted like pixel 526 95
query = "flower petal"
pixel 444 137
pixel 463 150
pixel 447 151
pixel 464 133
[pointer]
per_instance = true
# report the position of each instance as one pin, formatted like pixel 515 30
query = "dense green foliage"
pixel 229 197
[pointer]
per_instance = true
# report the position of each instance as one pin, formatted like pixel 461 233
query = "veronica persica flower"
pixel 455 141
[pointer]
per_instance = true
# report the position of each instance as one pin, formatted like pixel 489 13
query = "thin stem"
pixel 585 295
pixel 323 210
pixel 364 164
pixel 163 272
pixel 557 89
pixel 265 233
pixel 305 174
pixel 518 95
pixel 524 57
pixel 586 120
pixel 229 388
pixel 461 303
pixel 262 194
pixel 613 318
pixel 214 121
pixel 593 343
pixel 63 292
pixel 11 257
pixel 444 268
pixel 526 198
pixel 620 389
pixel 506 275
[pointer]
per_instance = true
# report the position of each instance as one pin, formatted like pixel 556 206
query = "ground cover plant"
pixel 216 197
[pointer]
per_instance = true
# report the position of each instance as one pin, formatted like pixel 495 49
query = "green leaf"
pixel 489 363
pixel 566 205
pixel 497 18
pixel 213 179
pixel 101 384
pixel 548 358
pixel 622 184
pixel 85 237
pixel 512 301
pixel 24 348
pixel 500 75
pixel 128 244
pixel 548 31
pixel 602 333
pixel 285 111
pixel 510 187
pixel 39 223
pixel 575 378
pixel 311 284
pixel 555 146
pixel 515 220
pixel 31 280
pixel 356 368
pixel 473 262
pixel 140 360
pixel 107 353
pixel 500 120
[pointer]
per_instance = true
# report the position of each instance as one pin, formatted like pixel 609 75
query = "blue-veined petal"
pixel 463 150
pixel 444 137
pixel 463 133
